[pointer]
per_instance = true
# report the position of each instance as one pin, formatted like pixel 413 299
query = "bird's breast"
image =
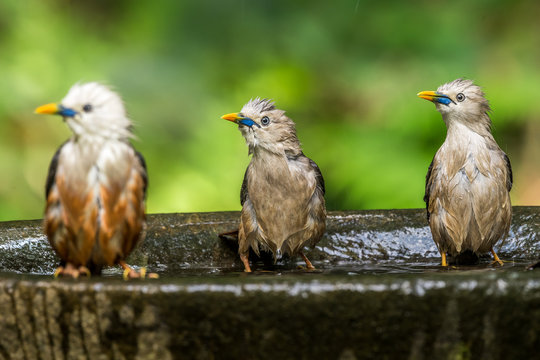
pixel 280 191
pixel 278 179
pixel 99 190
pixel 466 153
pixel 469 165
pixel 87 170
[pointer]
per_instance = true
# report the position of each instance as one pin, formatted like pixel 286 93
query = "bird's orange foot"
pixel 130 273
pixel 72 271
pixel 497 262
pixel 309 265
pixel 245 261
pixel 59 271
pixel 496 259
pixel 141 274
pixel 443 260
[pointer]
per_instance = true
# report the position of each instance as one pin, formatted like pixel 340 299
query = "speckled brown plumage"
pixel 282 195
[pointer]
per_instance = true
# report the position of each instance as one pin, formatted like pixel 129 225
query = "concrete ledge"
pixel 176 242
pixel 484 314
pixel 379 293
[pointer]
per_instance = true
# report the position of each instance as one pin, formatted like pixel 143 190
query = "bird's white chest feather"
pixel 96 163
pixel 464 154
pixel 461 139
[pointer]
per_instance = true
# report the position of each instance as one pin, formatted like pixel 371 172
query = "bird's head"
pixel 460 100
pixel 92 109
pixel 265 127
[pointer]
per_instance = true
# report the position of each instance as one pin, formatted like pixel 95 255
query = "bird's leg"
pixel 59 271
pixel 496 258
pixel 309 265
pixel 129 273
pixel 443 260
pixel 245 260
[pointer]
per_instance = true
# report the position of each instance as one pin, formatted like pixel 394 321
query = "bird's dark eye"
pixel 265 120
pixel 87 108
pixel 460 97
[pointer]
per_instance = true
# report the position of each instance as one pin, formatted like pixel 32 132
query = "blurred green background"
pixel 347 72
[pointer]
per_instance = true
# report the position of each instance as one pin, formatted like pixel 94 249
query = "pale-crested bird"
pixel 469 180
pixel 96 185
pixel 282 195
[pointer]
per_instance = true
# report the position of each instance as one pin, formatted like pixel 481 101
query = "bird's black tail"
pixel 467 257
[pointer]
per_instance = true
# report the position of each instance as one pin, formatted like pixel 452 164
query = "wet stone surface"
pixel 378 292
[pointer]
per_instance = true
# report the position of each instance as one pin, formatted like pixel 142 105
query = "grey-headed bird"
pixel 96 186
pixel 282 195
pixel 469 180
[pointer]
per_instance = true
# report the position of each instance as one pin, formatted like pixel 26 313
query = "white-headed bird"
pixel 282 195
pixel 469 180
pixel 96 186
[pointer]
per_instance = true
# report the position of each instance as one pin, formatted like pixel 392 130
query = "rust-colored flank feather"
pixel 96 187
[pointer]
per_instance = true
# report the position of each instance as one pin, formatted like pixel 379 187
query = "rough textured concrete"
pixel 428 316
pixel 379 294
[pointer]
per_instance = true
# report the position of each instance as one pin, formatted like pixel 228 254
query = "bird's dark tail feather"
pixel 465 258
pixel 230 239
pixel 230 236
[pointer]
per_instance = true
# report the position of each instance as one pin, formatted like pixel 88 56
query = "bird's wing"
pixel 52 171
pixel 144 173
pixel 54 225
pixel 509 175
pixel 429 182
pixel 244 190
pixel 318 176
pixel 316 225
pixel 68 216
pixel 448 218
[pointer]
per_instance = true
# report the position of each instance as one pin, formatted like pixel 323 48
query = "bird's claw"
pixel 71 271
pixel 309 265
pixel 306 268
pixel 497 261
pixel 129 273
pixel 59 270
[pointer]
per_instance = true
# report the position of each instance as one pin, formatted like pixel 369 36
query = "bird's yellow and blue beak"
pixel 239 119
pixel 435 97
pixel 55 109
